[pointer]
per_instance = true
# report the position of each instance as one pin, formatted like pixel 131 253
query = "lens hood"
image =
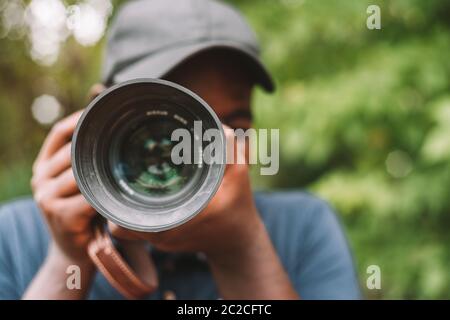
pixel 105 155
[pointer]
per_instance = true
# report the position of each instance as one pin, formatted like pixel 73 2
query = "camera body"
pixel 122 155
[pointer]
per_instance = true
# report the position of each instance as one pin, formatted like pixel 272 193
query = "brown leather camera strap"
pixel 132 284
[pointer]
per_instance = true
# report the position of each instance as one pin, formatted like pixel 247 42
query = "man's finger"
pixel 75 206
pixel 54 166
pixel 122 233
pixel 60 134
pixel 65 184
pixel 74 214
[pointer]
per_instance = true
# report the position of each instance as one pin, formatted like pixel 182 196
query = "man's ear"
pixel 95 90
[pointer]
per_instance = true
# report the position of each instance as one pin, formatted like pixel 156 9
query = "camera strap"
pixel 133 284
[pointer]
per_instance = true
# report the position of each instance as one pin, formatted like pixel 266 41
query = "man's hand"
pixel 67 214
pixel 228 220
pixel 231 234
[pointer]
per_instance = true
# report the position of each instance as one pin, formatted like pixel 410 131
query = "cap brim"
pixel 160 64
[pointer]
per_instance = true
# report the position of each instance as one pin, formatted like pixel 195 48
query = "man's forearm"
pixel 252 269
pixel 51 282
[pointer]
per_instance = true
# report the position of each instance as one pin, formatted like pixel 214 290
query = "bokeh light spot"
pixel 46 109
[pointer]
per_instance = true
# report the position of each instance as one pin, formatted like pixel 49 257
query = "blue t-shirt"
pixel 304 231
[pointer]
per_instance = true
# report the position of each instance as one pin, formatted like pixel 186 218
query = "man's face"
pixel 221 79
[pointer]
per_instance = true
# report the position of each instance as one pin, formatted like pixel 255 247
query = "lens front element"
pixel 144 159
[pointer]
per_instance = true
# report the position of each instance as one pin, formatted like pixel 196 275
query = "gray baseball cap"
pixel 149 38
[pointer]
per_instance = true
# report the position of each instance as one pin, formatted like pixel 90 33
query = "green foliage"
pixel 364 118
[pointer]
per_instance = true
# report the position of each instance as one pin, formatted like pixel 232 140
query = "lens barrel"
pixel 122 155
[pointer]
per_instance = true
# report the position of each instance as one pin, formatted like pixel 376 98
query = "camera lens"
pixel 122 155
pixel 145 162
